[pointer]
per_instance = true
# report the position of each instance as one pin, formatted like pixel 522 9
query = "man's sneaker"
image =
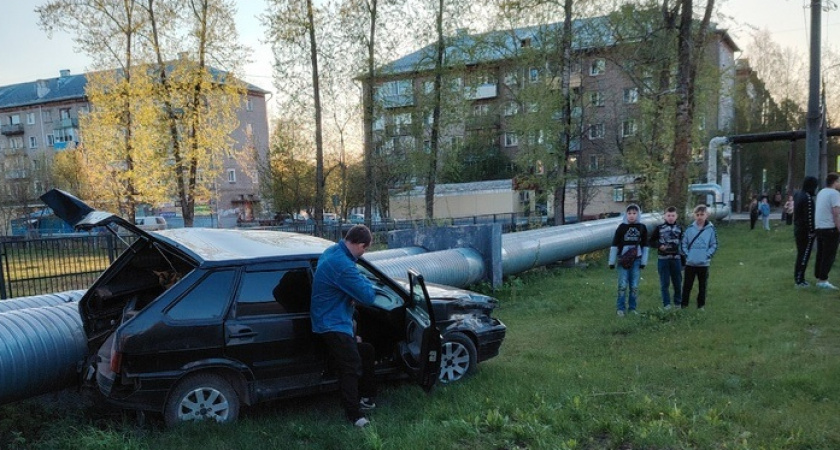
pixel 668 306
pixel 803 284
pixel 620 313
pixel 366 403
pixel 633 311
pixel 826 285
pixel 361 422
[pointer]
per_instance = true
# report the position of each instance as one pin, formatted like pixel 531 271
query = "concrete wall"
pixel 412 205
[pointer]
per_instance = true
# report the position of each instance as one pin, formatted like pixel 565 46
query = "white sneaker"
pixel 361 422
pixel 827 285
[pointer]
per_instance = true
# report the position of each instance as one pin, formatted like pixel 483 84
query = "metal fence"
pixel 64 262
pixel 44 265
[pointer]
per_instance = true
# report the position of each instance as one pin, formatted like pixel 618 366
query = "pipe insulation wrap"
pixel 457 267
pixel 38 301
pixel 40 350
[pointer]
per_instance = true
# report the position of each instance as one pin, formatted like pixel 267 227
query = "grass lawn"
pixel 759 368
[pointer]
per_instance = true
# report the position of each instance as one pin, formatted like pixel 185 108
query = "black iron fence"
pixel 45 265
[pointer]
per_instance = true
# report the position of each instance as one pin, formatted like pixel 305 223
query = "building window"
pixel 596 131
pixel 30 118
pixel 533 107
pixel 702 123
pixel 402 123
pixel 50 140
pixel 394 94
pixel 33 142
pixel 64 113
pixel 379 124
pixel 536 137
pixel 596 98
pixel 428 87
pixel 511 109
pixel 15 142
pixel 46 115
pixel 511 79
pixel 481 110
pixel 36 164
pixel 231 175
pixel 14 119
pixel 631 95
pixel 595 162
pixel 618 193
pixel 533 75
pixel 598 66
pixel 628 128
pixel 511 140
pixel 249 105
pixel 38 186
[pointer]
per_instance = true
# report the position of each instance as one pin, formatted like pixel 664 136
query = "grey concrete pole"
pixel 812 130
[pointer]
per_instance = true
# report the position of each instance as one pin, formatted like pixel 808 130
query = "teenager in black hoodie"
pixel 803 227
pixel 629 244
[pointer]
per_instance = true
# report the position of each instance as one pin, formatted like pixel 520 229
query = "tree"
pixel 691 40
pixel 287 172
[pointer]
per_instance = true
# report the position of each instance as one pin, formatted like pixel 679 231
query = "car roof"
pixel 211 246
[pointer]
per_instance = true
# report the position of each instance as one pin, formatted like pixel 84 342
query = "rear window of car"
pixel 274 292
pixel 207 300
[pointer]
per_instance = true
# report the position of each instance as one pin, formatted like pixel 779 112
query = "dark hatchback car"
pixel 193 323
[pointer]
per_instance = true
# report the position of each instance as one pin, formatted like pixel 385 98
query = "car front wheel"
pixel 458 357
pixel 202 397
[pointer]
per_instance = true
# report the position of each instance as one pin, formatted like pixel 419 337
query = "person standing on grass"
pixel 803 228
pixel 336 287
pixel 764 212
pixel 666 239
pixel 753 211
pixel 699 244
pixel 788 211
pixel 629 249
pixel 827 229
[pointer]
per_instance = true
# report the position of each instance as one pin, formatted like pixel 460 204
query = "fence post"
pixel 110 243
pixel 2 272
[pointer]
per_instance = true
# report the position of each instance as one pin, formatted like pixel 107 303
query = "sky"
pixel 28 54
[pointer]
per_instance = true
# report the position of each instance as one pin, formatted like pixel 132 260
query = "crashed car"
pixel 194 323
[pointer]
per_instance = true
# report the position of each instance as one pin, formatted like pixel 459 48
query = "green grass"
pixel 759 369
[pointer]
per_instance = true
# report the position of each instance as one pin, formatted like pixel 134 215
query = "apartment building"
pixel 495 89
pixel 40 118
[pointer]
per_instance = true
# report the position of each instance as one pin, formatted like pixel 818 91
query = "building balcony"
pixel 66 123
pixel 12 129
pixel 481 92
pixel 16 174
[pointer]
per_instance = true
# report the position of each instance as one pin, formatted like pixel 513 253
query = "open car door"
pixel 421 352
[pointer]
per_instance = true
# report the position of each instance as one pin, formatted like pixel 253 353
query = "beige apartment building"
pixel 40 118
pixel 493 79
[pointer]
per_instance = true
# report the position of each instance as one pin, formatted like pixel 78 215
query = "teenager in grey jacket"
pixel 699 244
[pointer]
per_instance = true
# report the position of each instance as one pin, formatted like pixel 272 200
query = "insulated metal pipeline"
pixel 40 350
pixel 38 301
pixel 528 249
pixel 459 267
pixel 393 253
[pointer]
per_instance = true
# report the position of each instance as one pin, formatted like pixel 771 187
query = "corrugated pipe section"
pixel 457 267
pixel 38 301
pixel 393 253
pixel 40 350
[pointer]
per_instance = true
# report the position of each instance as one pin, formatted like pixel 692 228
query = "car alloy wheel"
pixel 458 357
pixel 202 397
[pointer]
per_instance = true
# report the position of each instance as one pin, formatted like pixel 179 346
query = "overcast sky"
pixel 28 54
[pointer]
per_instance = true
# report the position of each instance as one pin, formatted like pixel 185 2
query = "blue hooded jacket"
pixel 702 248
pixel 337 283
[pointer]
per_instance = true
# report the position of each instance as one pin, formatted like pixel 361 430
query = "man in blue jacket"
pixel 337 284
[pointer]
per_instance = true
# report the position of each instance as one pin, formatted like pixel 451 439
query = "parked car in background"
pixel 193 323
pixel 331 219
pixel 357 219
pixel 150 223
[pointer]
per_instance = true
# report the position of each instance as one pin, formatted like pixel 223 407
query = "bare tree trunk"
pixel 433 151
pixel 689 47
pixel 368 115
pixel 319 140
pixel 560 188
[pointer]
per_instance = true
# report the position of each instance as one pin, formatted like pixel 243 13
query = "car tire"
pixel 458 357
pixel 204 396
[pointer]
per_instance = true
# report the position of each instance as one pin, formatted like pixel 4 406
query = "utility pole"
pixel 812 125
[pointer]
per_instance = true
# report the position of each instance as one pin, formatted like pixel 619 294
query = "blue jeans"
pixel 670 272
pixel 628 278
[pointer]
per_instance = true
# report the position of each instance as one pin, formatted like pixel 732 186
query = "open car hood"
pixel 462 297
pixel 81 216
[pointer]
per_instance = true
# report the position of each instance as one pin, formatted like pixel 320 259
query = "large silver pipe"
pixel 38 301
pixel 40 350
pixel 457 267
pixel 379 255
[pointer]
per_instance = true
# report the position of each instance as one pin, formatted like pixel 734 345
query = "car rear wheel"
pixel 202 397
pixel 458 357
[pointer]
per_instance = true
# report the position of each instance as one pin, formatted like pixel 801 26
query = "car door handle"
pixel 243 333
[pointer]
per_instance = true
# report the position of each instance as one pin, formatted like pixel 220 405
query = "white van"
pixel 150 223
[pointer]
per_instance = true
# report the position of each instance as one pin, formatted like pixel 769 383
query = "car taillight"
pixel 116 359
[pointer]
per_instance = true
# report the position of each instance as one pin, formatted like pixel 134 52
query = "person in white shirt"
pixel 827 228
